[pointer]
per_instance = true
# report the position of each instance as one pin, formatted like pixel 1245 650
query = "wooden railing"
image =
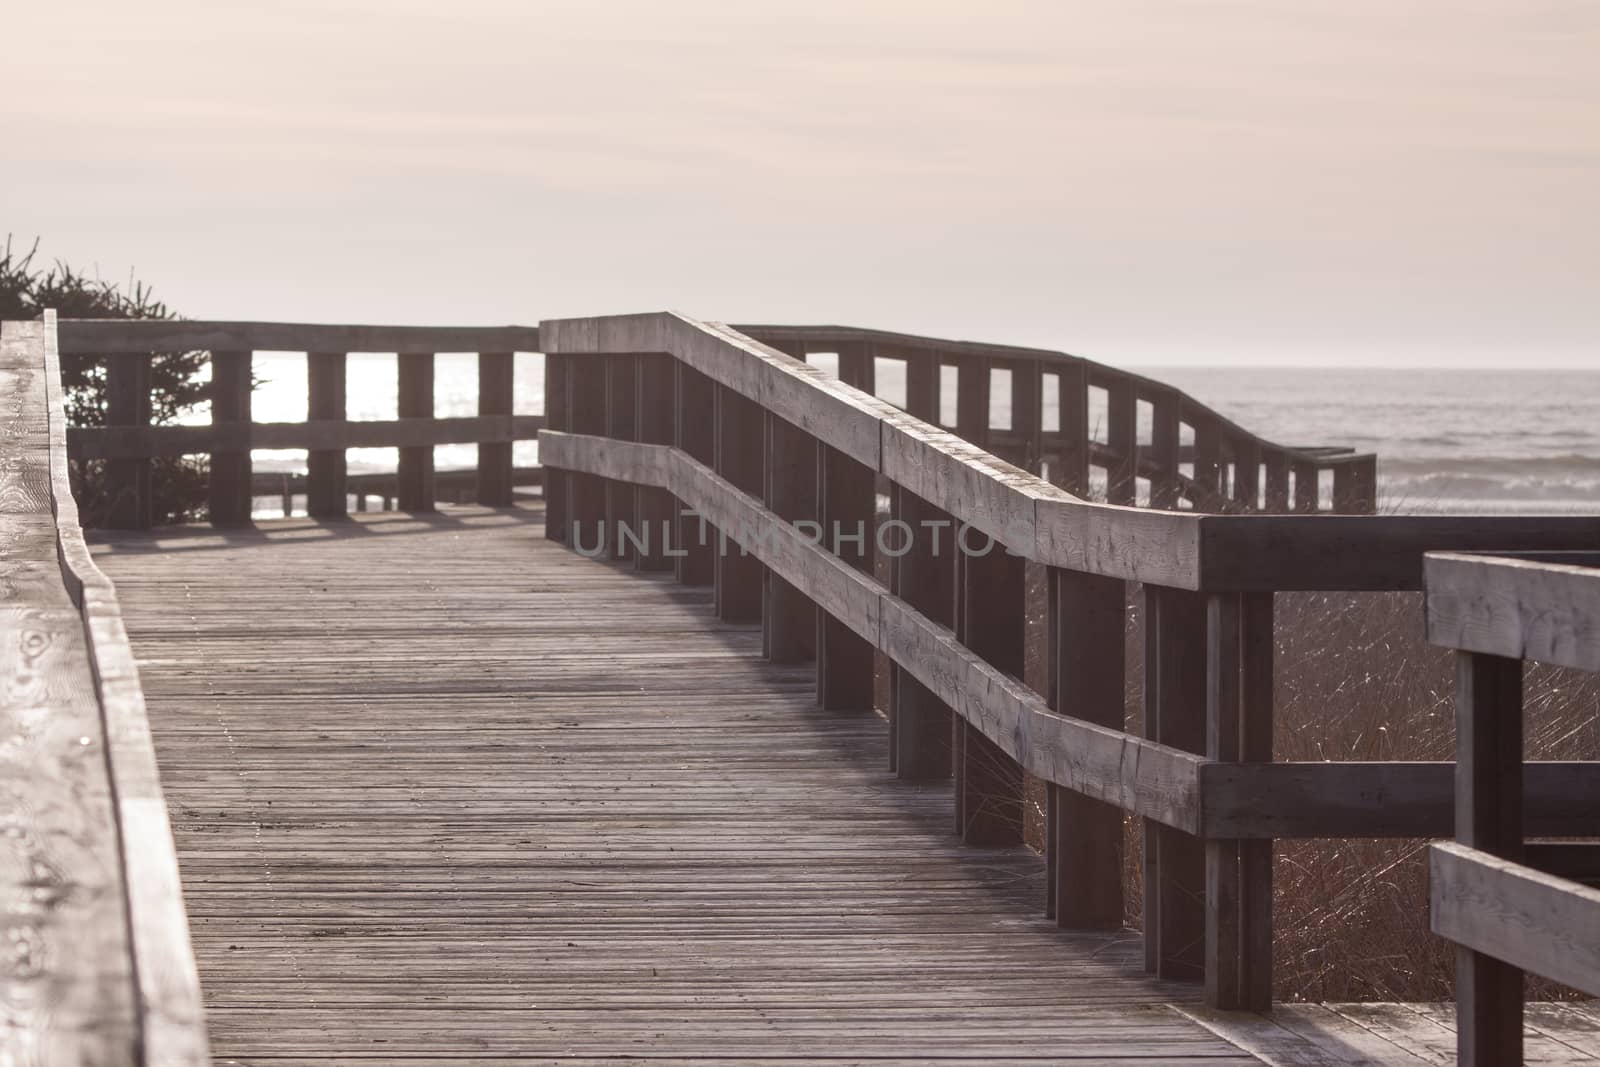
pixel 660 422
pixel 128 442
pixel 98 966
pixel 1193 456
pixel 1511 905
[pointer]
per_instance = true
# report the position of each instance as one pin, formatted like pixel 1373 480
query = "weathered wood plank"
pixel 135 336
pixel 121 987
pixel 1533 921
pixel 99 442
pixel 569 841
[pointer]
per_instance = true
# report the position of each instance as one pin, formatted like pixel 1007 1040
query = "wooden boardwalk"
pixel 447 792
pixel 427 809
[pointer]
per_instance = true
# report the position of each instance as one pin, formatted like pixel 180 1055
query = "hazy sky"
pixel 1136 181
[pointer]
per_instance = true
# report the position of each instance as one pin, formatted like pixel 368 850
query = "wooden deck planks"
pixel 444 791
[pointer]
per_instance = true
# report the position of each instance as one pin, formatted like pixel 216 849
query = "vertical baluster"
pixel 1164 442
pixel 789 618
pixel 230 497
pixel 1247 472
pixel 654 508
pixel 128 480
pixel 622 396
pixel 1026 417
pixel 1355 486
pixel 586 493
pixel 847 495
pixel 972 400
pixel 1307 491
pixel 1489 794
pixel 414 483
pixel 1083 836
pixel 1174 714
pixel 693 429
pixel 557 406
pixel 922 386
pixel 1238 895
pixel 496 390
pixel 991 618
pixel 924 576
pixel 856 366
pixel 1207 462
pixel 1074 427
pixel 325 402
pixel 739 433
pixel 1277 465
pixel 1122 429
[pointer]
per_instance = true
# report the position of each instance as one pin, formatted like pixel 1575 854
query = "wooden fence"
pixel 98 965
pixel 1193 457
pixel 128 441
pixel 1510 905
pixel 662 422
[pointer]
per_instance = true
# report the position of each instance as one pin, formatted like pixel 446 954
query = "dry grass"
pixel 1356 680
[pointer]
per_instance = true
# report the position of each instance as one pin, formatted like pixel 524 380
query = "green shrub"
pixel 178 484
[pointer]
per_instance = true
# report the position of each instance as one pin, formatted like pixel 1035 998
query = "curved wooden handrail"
pixel 656 410
pixel 1354 472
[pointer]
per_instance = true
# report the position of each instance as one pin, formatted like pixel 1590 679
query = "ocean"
pixel 1447 440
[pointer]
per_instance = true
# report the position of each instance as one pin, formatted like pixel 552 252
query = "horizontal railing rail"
pixel 101 968
pixel 128 443
pixel 660 422
pixel 1221 466
pixel 1511 905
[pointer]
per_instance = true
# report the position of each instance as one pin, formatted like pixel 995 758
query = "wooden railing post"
pixel 924 576
pixel 789 618
pixel 1238 887
pixel 230 498
pixel 991 617
pixel 1355 486
pixel 847 503
pixel 586 493
pixel 856 366
pixel 655 509
pixel 1122 426
pixel 1207 462
pixel 972 400
pixel 694 433
pixel 1174 714
pixel 1074 385
pixel 325 469
pixel 414 481
pixel 557 408
pixel 1277 499
pixel 496 391
pixel 740 433
pixel 1307 492
pixel 1489 797
pixel 1087 621
pixel 1247 473
pixel 1164 444
pixel 922 387
pixel 623 535
pixel 129 499
pixel 1026 416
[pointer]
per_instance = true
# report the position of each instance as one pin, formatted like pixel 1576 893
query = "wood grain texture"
pixel 471 823
pixel 135 337
pixel 98 966
pixel 1529 919
pixel 1540 609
